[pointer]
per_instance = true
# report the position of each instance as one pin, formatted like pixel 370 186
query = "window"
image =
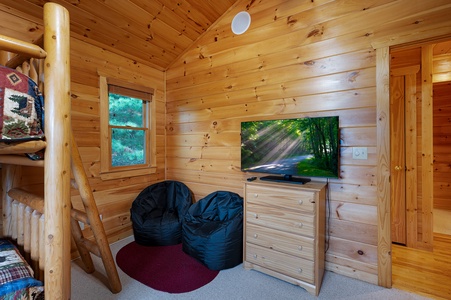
pixel 127 134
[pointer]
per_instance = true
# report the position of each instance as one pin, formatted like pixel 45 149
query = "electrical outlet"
pixel 360 153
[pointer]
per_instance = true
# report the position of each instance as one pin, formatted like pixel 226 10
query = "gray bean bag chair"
pixel 157 213
pixel 212 230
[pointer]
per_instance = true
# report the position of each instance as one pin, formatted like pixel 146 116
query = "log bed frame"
pixel 53 219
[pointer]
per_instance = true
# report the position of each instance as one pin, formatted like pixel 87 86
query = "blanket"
pixel 21 107
pixel 16 275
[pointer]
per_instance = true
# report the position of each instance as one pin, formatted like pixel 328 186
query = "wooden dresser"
pixel 284 231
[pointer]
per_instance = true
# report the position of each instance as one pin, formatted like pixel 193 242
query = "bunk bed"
pixel 43 226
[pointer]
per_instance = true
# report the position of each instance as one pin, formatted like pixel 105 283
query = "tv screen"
pixel 303 148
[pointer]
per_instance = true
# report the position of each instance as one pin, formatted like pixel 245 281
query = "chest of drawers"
pixel 284 231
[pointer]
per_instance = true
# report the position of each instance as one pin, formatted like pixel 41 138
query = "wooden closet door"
pixel 411 204
pixel 397 156
pixel 403 153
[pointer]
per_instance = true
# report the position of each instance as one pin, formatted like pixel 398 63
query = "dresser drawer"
pixel 289 265
pixel 282 197
pixel 280 241
pixel 281 219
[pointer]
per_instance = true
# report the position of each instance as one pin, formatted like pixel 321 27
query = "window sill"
pixel 127 173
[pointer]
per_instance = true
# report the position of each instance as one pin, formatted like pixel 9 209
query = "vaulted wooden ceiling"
pixel 154 32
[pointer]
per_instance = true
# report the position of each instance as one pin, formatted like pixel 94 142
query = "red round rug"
pixel 164 268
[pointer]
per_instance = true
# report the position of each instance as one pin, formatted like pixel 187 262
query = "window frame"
pixel 107 170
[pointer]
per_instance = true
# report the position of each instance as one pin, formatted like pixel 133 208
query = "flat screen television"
pixel 291 150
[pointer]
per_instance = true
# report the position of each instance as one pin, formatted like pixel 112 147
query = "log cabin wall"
pixel 442 146
pixel 298 58
pixel 442 131
pixel 442 157
pixel 113 197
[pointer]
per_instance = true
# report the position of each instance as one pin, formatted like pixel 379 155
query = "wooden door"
pixel 397 156
pixel 411 159
pixel 403 154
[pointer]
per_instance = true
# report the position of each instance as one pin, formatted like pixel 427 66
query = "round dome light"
pixel 241 22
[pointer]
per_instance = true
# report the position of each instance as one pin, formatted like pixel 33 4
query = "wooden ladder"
pixel 100 246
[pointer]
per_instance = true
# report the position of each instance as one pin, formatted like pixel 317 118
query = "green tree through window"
pixel 128 128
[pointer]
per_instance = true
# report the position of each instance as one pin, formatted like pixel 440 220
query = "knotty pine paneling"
pixel 364 233
pixel 149 32
pixel 351 193
pixel 113 197
pixel 353 212
pixel 351 258
pixel 345 258
pixel 297 59
pixel 442 145
pixel 442 62
pixel 312 68
pixel 250 100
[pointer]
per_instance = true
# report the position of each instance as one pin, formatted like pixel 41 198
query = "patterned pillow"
pixel 21 107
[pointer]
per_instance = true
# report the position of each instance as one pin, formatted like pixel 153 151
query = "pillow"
pixel 21 107
pixel 16 275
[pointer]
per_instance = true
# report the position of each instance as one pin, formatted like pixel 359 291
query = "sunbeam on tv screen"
pixel 306 147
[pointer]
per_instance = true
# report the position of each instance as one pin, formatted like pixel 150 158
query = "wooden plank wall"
pixel 113 197
pixel 299 58
pixel 442 146
pixel 442 128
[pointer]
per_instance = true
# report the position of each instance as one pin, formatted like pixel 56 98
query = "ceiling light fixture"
pixel 241 22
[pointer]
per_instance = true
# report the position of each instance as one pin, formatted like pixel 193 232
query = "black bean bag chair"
pixel 158 211
pixel 212 230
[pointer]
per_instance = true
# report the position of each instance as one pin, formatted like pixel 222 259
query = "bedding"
pixel 21 107
pixel 16 275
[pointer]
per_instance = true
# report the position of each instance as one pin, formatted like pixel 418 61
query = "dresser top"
pixel 311 185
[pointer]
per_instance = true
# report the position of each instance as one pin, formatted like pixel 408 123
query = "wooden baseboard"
pixel 442 236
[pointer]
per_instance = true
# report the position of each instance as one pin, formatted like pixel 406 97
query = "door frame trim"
pixel 384 260
pixel 382 47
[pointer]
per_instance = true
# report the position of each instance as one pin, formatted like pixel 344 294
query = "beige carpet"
pixel 235 283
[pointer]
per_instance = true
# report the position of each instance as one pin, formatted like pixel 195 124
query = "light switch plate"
pixel 360 153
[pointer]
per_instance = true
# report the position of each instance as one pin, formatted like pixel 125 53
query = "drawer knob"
pixel 255 235
pixel 300 270
pixel 300 202
pixel 300 225
pixel 255 255
pixel 256 216
pixel 300 248
pixel 255 195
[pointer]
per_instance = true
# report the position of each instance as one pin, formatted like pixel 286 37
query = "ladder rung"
pixel 90 246
pixel 31 200
pixel 79 216
pixel 73 184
